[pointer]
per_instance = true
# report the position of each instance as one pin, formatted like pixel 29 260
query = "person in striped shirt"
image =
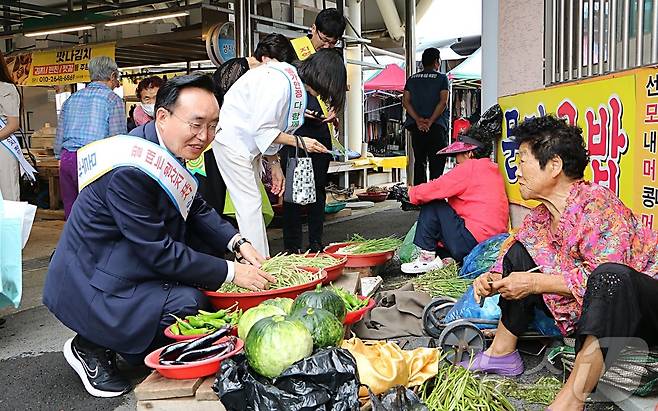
pixel 90 114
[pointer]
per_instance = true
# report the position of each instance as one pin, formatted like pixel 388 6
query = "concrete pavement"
pixel 33 371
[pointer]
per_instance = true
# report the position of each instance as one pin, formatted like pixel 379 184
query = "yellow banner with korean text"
pixel 56 67
pixel 645 147
pixel 619 118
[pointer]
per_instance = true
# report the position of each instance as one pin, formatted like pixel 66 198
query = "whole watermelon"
pixel 276 343
pixel 321 298
pixel 282 302
pixel 324 327
pixel 252 315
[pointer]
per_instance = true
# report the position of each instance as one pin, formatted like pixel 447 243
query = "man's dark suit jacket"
pixel 122 248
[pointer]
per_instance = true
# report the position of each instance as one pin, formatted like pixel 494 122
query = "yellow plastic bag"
pixel 383 365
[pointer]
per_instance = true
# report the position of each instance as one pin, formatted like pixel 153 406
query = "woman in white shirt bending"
pixel 260 113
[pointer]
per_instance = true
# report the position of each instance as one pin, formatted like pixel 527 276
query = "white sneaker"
pixel 419 266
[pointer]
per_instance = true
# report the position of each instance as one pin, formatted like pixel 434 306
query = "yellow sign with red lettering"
pixel 619 118
pixel 56 67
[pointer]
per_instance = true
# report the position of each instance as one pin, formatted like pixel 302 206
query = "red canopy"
pixel 392 78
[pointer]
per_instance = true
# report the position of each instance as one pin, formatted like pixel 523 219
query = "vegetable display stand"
pixel 247 299
pixel 359 260
pixel 157 393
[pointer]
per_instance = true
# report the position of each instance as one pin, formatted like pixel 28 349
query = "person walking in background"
pixel 319 122
pixel 90 114
pixel 425 99
pixel 146 91
pixel 9 111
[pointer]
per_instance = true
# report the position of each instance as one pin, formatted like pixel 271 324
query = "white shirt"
pixel 230 265
pixel 255 111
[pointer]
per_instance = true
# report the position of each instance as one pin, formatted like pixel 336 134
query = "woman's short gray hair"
pixel 101 68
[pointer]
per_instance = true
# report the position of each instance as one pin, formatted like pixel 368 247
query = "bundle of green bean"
pixel 456 388
pixel 315 260
pixel 442 282
pixel 365 246
pixel 286 275
pixel 542 392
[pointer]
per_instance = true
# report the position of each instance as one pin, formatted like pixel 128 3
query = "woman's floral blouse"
pixel 595 228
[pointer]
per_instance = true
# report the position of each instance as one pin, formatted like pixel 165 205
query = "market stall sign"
pixel 619 118
pixel 56 67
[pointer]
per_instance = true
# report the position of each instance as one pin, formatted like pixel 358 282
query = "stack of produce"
pixel 201 349
pixel 456 388
pixel 442 282
pixel 315 260
pixel 280 332
pixel 542 392
pixel 286 274
pixel 376 190
pixel 352 302
pixel 359 245
pixel 206 322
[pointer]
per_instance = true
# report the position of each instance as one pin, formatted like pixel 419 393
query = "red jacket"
pixel 476 192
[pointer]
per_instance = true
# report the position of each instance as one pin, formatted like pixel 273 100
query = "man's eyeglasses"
pixel 196 128
pixel 327 40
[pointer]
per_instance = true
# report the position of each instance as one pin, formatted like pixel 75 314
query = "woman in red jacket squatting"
pixel 462 207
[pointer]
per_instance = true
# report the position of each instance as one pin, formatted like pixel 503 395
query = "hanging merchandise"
pixel 459 125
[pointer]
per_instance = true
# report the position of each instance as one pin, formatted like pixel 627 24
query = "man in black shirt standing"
pixel 426 99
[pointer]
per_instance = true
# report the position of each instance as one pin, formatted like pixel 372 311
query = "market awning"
pixel 468 74
pixel 392 78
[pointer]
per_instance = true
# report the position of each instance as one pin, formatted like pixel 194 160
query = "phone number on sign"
pixel 54 79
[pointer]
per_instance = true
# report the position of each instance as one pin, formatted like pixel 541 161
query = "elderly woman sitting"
pixel 598 264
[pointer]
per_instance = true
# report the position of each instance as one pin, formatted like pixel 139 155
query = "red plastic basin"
pixel 359 260
pixel 356 316
pixel 374 197
pixel 247 300
pixel 333 271
pixel 195 370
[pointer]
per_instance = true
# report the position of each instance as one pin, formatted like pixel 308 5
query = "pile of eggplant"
pixel 204 348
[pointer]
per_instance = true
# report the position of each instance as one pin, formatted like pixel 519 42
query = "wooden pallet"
pixel 157 393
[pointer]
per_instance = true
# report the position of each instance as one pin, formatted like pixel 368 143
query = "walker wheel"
pixel 460 340
pixel 434 313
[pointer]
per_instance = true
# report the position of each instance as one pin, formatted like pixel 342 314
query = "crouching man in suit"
pixel 125 260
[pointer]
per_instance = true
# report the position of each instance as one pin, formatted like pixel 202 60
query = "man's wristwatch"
pixel 238 244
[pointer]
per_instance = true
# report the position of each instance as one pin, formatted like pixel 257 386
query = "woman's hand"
pixel 331 118
pixel 250 277
pixel 482 286
pixel 314 146
pixel 278 180
pixel 517 285
pixel 249 253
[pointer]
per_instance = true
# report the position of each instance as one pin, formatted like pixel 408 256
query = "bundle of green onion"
pixel 456 388
pixel 362 245
pixel 442 282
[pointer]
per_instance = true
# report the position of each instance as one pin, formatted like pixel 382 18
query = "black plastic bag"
pixel 397 398
pixel 327 381
pixel 491 121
